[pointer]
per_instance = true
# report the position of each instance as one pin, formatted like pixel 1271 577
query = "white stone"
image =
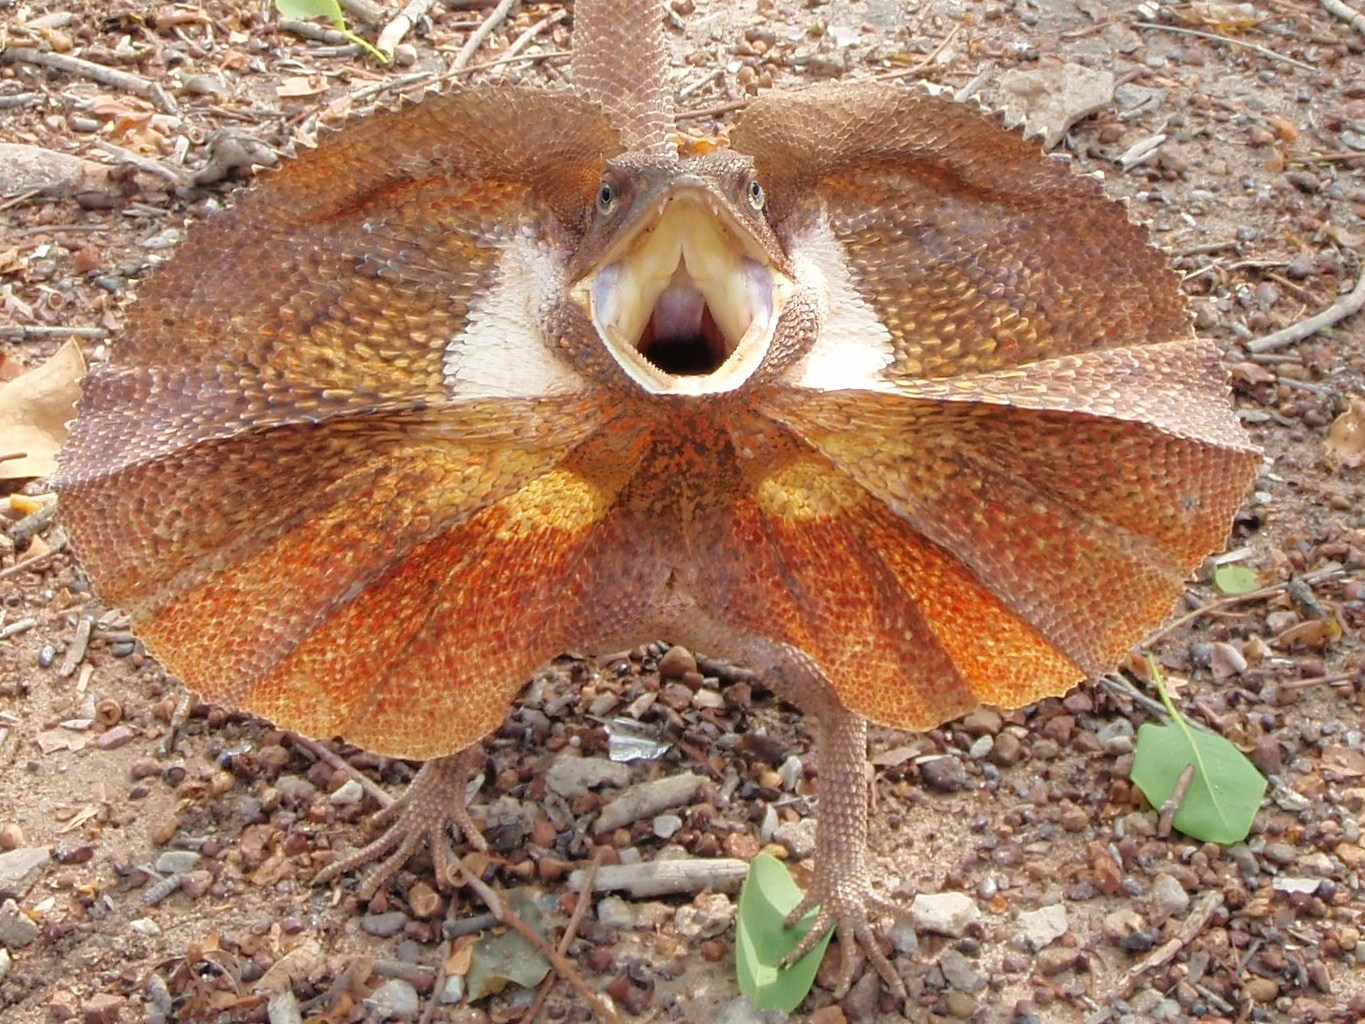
pixel 944 913
pixel 1042 927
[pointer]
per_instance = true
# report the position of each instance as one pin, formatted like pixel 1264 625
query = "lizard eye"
pixel 606 198
pixel 755 195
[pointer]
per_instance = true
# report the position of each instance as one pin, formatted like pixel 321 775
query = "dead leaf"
pixel 34 410
pixel 300 86
pixel 1344 761
pixel 1345 441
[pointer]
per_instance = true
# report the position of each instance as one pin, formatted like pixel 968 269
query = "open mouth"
pixel 683 303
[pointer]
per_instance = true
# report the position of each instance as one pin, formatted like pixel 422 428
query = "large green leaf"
pixel 1225 790
pixel 762 939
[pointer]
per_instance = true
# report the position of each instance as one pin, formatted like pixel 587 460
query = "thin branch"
pixel 395 31
pixel 1154 27
pixel 472 44
pixel 328 756
pixel 1352 17
pixel 115 79
pixel 1347 305
pixel 510 918
pixel 570 930
pixel 915 69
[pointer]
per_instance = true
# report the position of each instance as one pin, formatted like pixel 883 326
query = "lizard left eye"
pixel 755 195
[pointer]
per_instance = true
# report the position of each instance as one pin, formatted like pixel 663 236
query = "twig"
pixel 1233 599
pixel 510 918
pixel 35 333
pixel 363 11
pixel 524 40
pixel 472 44
pixel 439 983
pixel 886 76
pixel 175 175
pixel 570 930
pixel 699 84
pixel 1172 806
pixel 329 756
pixel 396 30
pixel 1345 306
pixel 128 82
pixel 718 109
pixel 1341 679
pixel 37 561
pixel 1154 26
pixel 521 58
pixel 1352 17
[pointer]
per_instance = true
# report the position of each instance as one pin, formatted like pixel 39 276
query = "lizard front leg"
pixel 433 804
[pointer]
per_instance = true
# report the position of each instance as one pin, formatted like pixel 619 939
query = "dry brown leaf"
pixel 300 86
pixel 34 410
pixel 1345 441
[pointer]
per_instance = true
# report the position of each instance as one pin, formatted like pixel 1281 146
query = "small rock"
pixel 960 1004
pixel 648 799
pixel 145 927
pixel 103 1008
pixel 959 972
pixel 348 793
pixel 790 772
pixel 666 825
pixel 1278 853
pixel 1054 960
pixel 797 836
pixel 1042 927
pixel 983 721
pixel 195 884
pixel 1169 898
pixel 1262 990
pixel 17 929
pixel 707 916
pixel 19 869
pixel 396 999
pixel 385 925
pixel 572 777
pixel 676 663
pixel 175 862
pixel 112 739
pixel 1007 750
pixel 944 913
pixel 1121 923
pixel 614 912
pixel 944 774
pixel 1049 100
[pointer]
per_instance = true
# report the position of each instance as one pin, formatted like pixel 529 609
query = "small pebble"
pixel 396 999
pixel 944 913
pixel 944 774
pixel 348 793
pixel 1169 898
pixel 385 925
pixel 676 663
pixel 175 862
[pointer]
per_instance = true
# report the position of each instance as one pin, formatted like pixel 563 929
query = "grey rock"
pixel 708 915
pixel 19 869
pixel 17 929
pixel 348 793
pixel 572 777
pixel 384 925
pixel 797 836
pixel 1042 927
pixel 740 1011
pixel 1169 898
pixel 1049 100
pixel 176 862
pixel 396 999
pixel 944 913
pixel 959 972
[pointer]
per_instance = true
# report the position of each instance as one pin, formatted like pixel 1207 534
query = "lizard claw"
pixel 422 816
pixel 849 910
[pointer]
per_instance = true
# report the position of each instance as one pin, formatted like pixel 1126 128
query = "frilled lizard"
pixel 878 400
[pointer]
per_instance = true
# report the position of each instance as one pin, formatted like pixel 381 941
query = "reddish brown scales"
pixel 362 459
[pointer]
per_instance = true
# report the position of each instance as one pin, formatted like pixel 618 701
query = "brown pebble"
pixel 195 884
pixel 741 845
pixel 831 1014
pixel 960 1004
pixel 1007 750
pixel 600 959
pixel 1054 960
pixel 164 831
pixel 11 836
pixel 552 869
pixel 944 774
pixel 104 1008
pixel 676 663
pixel 1262 990
pixel 114 738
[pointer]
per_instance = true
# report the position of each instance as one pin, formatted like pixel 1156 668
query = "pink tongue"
pixel 677 312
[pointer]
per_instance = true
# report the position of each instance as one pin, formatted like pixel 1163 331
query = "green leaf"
pixel 1235 579
pixel 762 939
pixel 1225 791
pixel 305 9
pixel 502 958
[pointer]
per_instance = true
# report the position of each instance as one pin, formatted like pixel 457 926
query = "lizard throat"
pixel 685 308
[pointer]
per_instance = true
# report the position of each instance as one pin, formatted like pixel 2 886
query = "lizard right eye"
pixel 606 198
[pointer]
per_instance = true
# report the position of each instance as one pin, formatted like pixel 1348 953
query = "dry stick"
pixel 1153 26
pixel 1345 306
pixel 472 44
pixel 510 918
pixel 886 76
pixel 571 930
pixel 439 982
pixel 135 84
pixel 30 563
pixel 175 175
pixel 521 58
pixel 1172 806
pixel 1340 679
pixel 329 756
pixel 717 110
pixel 35 333
pixel 363 10
pixel 395 30
pixel 525 39
pixel 1352 17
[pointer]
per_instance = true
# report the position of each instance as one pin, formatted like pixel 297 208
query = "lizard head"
pixel 680 272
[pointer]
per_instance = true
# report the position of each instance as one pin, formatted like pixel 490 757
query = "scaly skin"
pixel 375 443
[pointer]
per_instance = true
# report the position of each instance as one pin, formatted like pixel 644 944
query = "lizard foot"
pixel 847 903
pixel 422 816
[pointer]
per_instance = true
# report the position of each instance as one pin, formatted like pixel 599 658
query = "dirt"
pixel 1255 183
